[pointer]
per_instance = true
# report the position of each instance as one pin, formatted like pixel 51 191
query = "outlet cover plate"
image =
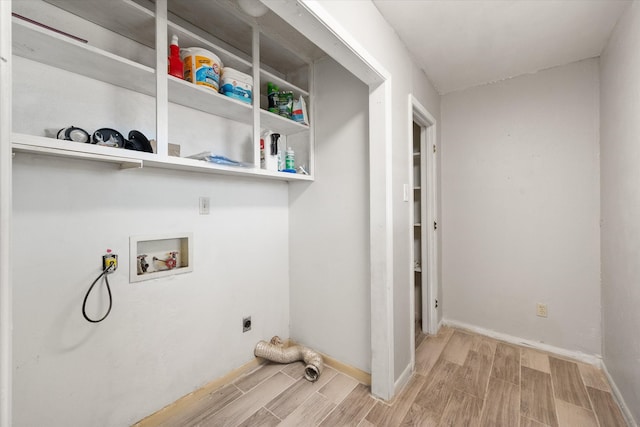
pixel 541 310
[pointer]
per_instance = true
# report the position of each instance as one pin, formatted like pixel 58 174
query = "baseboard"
pixel 618 396
pixel 157 418
pixel 403 379
pixel 591 359
pixel 358 374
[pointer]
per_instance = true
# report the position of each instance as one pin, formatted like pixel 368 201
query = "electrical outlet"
pixel 109 260
pixel 246 324
pixel 541 309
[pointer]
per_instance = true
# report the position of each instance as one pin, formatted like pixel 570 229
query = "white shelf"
pixel 125 163
pixel 208 100
pixel 135 19
pixel 266 76
pixel 417 224
pixel 192 165
pixel 124 17
pixel 39 44
pixel 44 145
pixel 137 159
pixel 282 125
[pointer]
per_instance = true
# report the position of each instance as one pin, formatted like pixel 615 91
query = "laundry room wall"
pixel 380 41
pixel 520 206
pixel 620 233
pixel 166 337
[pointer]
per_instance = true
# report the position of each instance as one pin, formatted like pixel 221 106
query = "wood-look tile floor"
pixel 461 379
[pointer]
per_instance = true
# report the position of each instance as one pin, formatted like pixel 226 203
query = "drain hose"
pixel 276 352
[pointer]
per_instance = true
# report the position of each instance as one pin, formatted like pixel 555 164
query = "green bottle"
pixel 272 97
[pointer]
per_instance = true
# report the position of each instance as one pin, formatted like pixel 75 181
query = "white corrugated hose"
pixel 276 352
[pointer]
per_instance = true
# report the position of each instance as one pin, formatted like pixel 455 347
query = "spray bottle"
pixel 269 151
pixel 175 63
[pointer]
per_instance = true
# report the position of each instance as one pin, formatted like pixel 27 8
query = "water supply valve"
pixel 171 262
pixel 143 265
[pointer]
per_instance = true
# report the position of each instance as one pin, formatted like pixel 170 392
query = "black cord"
pixel 84 303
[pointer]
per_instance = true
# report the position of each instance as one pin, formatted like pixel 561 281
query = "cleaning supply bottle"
pixel 265 150
pixel 290 161
pixel 175 63
pixel 272 97
pixel 272 159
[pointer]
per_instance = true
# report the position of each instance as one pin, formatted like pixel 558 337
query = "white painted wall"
pixel 329 226
pixel 520 191
pixel 164 338
pixel 368 27
pixel 620 183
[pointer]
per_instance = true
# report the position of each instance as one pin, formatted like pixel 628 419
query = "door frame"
pixel 6 301
pixel 428 149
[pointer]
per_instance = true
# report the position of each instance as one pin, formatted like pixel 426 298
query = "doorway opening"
pixel 419 224
pixel 424 225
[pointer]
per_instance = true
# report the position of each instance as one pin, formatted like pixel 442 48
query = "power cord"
pixel 104 273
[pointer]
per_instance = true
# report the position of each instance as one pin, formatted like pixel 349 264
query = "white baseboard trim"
pixel 592 359
pixel 403 379
pixel 618 396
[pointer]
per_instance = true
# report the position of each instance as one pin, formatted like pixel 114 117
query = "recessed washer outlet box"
pixel 160 255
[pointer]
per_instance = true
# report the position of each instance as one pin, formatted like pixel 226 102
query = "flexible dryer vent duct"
pixel 276 352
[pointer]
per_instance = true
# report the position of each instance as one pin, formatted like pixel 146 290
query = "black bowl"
pixel 138 142
pixel 108 137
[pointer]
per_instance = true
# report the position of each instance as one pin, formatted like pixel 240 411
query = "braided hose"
pixel 276 352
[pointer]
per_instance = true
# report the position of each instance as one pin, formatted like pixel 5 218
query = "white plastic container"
pixel 201 67
pixel 237 85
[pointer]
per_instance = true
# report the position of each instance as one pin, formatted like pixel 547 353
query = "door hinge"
pixel 435 225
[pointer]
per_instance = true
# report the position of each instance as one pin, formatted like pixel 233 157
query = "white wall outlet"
pixel 541 309
pixel 205 203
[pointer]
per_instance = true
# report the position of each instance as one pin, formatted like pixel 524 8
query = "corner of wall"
pixel 626 412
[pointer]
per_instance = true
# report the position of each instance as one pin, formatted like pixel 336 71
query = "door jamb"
pixel 428 145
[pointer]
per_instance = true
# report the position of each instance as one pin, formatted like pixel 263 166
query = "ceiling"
pixel 464 43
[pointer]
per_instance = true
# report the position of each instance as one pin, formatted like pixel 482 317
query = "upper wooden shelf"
pixel 266 76
pixel 124 17
pixel 283 125
pixel 207 100
pixel 40 44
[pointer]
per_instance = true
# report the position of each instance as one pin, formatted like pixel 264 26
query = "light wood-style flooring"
pixel 461 379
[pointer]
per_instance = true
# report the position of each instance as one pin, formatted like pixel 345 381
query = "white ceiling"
pixel 465 43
